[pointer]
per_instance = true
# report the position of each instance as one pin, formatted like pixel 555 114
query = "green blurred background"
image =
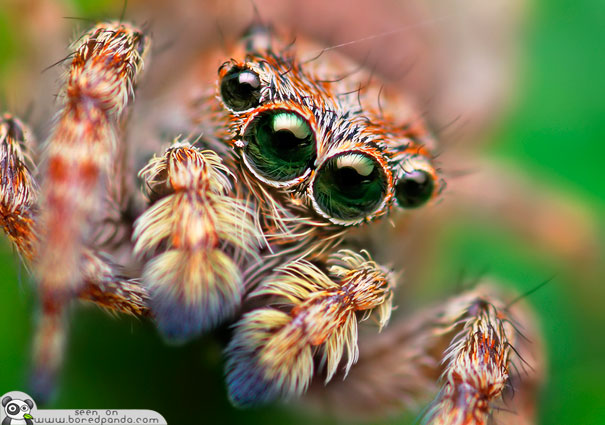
pixel 555 132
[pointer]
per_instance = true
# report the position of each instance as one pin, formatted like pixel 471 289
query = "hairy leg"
pixel 486 353
pixel 18 190
pixel 83 149
pixel 51 229
pixel 194 235
pixel 271 353
pixel 103 281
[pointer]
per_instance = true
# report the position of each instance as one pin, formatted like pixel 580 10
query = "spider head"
pixel 319 145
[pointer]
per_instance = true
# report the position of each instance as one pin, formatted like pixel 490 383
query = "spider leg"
pixel 103 282
pixel 477 366
pixel 18 190
pixel 271 353
pixel 103 285
pixel 486 353
pixel 194 236
pixel 48 347
pixel 79 155
pixel 51 228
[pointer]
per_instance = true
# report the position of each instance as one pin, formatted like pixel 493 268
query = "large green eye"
pixel 281 145
pixel 240 89
pixel 349 186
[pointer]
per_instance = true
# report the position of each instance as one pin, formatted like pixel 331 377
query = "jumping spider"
pixel 246 221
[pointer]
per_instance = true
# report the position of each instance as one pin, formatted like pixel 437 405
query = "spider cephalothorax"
pixel 248 224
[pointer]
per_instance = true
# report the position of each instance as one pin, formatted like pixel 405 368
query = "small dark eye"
pixel 281 145
pixel 349 186
pixel 414 188
pixel 12 408
pixel 240 89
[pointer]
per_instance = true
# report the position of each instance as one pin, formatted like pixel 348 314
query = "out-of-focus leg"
pixel 18 191
pixel 52 229
pixel 485 356
pixel 103 282
pixel 83 149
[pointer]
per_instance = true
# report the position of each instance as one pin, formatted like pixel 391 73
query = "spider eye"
pixel 414 188
pixel 240 89
pixel 281 145
pixel 349 186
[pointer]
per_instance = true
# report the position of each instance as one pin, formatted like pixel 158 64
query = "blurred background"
pixel 515 91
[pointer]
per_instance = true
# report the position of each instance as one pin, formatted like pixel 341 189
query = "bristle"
pixel 477 368
pixel 18 191
pixel 272 351
pixel 83 147
pixel 371 284
pixel 193 285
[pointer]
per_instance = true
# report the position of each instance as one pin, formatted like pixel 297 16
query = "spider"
pixel 247 220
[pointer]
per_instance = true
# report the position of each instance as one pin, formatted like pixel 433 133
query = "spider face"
pixel 318 144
